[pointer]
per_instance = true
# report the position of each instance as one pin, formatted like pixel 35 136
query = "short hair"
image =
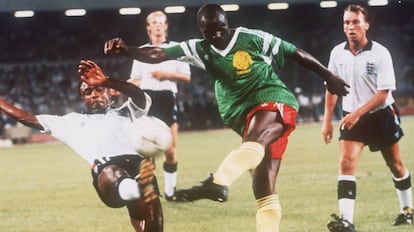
pixel 210 11
pixel 157 13
pixel 358 9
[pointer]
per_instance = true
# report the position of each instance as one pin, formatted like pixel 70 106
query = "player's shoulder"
pixel 376 46
pixel 251 31
pixel 341 47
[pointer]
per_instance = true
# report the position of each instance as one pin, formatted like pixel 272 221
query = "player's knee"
pixel 108 186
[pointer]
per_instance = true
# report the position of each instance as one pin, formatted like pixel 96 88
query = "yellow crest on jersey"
pixel 242 62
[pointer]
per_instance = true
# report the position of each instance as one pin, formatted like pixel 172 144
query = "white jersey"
pixel 142 72
pixel 366 73
pixel 94 136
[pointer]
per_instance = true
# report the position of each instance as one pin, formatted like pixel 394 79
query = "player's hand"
pixel 91 73
pixel 349 121
pixel 115 46
pixel 160 75
pixel 327 131
pixel 335 85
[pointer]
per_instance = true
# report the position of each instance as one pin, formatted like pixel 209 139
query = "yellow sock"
pixel 269 213
pixel 237 162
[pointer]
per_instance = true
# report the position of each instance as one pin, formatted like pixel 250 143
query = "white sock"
pixel 128 189
pixel 170 181
pixel 346 205
pixel 404 196
pixel 346 209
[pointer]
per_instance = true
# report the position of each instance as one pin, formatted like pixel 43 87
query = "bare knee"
pixel 108 182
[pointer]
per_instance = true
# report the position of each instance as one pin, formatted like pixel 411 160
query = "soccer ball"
pixel 153 136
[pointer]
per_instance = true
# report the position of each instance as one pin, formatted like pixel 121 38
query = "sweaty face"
pixel 355 26
pixel 96 99
pixel 215 30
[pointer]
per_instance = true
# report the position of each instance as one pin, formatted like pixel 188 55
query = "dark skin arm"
pixel 151 55
pixel 20 115
pixel 334 84
pixel 93 75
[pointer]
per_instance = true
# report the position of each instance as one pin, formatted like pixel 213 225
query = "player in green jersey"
pixel 252 100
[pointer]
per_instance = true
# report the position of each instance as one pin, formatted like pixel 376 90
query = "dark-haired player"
pixel 252 100
pixel 101 137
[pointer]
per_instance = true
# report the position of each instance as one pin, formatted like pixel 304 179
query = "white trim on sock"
pixel 406 175
pixel 346 177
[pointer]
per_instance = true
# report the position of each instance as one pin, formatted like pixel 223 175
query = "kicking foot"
pixel 206 190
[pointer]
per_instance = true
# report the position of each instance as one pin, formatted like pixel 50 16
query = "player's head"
pixel 157 25
pixel 355 22
pixel 95 98
pixel 212 21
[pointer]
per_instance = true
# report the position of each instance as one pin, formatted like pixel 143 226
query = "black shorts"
pixel 164 105
pixel 129 163
pixel 377 130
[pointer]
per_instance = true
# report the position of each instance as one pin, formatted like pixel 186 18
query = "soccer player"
pixel 159 81
pixel 370 116
pixel 252 100
pixel 122 177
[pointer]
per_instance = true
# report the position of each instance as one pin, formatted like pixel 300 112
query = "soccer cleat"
pixel 171 198
pixel 338 224
pixel 405 218
pixel 145 180
pixel 206 190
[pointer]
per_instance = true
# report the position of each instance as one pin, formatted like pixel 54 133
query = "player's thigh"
pixel 265 127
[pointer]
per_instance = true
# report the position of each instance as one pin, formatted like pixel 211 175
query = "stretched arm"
pixel 150 55
pixel 172 76
pixel 20 115
pixel 334 84
pixel 92 74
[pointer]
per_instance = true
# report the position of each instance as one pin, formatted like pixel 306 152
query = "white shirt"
pixel 142 71
pixel 94 136
pixel 367 72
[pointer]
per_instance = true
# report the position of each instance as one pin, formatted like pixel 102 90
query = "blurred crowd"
pixel 39 56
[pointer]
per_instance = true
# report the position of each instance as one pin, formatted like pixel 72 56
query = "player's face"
pixel 157 27
pixel 355 26
pixel 95 98
pixel 215 30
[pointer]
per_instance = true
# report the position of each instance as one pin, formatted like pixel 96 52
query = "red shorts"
pixel 278 147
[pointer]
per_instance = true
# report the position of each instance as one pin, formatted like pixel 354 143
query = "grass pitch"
pixel 47 187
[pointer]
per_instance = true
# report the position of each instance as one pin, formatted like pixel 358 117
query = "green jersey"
pixel 243 74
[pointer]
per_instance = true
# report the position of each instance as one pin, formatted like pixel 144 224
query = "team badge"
pixel 242 62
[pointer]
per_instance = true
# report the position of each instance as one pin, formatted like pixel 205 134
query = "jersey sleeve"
pixel 58 125
pixel 136 70
pixel 187 51
pixel 280 50
pixel 386 75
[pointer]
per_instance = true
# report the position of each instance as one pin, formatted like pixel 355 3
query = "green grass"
pixel 47 187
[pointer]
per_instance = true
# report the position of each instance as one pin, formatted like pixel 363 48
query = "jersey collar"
pixel 368 47
pixel 229 46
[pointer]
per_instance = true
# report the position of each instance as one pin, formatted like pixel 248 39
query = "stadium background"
pixel 39 55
